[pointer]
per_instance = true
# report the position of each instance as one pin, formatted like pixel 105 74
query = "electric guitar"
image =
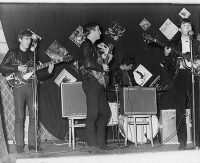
pixel 18 79
pixel 103 77
pixel 184 58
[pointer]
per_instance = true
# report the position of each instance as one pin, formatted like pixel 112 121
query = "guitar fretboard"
pixel 149 38
pixel 31 69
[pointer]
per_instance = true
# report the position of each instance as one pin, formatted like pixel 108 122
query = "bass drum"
pixel 143 134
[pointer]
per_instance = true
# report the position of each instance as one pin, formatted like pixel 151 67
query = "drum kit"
pixel 143 134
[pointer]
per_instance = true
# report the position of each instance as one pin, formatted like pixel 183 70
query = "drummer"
pixel 123 74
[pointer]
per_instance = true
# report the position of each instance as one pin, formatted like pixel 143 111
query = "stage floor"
pixel 59 151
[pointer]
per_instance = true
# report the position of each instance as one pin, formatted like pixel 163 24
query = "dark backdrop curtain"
pixel 58 21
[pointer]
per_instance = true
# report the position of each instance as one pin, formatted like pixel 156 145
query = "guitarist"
pixel 98 111
pixel 181 85
pixel 15 61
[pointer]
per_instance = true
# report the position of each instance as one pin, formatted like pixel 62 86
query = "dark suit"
pixel 181 86
pixel 124 78
pixel 98 110
pixel 23 94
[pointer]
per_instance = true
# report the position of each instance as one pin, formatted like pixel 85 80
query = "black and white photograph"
pixel 99 81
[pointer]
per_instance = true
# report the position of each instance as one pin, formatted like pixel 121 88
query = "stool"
pixel 144 120
pixel 72 126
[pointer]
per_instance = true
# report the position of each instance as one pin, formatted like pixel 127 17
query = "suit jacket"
pixel 172 62
pixel 89 59
pixel 118 77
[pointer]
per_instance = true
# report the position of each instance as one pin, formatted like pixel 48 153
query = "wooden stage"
pixel 59 152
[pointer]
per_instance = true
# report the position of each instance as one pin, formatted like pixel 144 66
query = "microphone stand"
pixel 193 93
pixel 35 100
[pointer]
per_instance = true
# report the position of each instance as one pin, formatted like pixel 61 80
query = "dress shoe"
pixel 31 148
pixel 105 148
pixel 20 149
pixel 182 146
pixel 95 150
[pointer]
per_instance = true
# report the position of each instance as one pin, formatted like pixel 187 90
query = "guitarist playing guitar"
pixel 98 111
pixel 181 86
pixel 15 62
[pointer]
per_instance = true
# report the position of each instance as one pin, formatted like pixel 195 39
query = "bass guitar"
pixel 183 57
pixel 18 79
pixel 103 77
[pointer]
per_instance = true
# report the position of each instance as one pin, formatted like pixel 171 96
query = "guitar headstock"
pixel 148 38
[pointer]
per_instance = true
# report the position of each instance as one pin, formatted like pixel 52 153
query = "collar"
pixel 185 39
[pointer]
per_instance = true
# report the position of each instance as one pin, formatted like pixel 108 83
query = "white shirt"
pixel 185 48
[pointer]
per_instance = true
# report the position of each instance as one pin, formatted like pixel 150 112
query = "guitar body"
pixel 18 79
pixel 102 78
pixel 188 65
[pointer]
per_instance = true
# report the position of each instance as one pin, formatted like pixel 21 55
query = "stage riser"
pixel 191 156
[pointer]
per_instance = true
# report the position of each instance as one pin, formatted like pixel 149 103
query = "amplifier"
pixel 138 100
pixel 167 123
pixel 73 99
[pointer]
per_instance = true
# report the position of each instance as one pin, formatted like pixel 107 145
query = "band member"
pixel 182 77
pixel 15 61
pixel 123 75
pixel 98 111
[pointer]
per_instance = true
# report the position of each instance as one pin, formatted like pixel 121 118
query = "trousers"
pixel 181 89
pixel 98 112
pixel 24 96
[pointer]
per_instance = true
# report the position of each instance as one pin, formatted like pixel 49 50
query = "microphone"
pixel 34 36
pixel 190 33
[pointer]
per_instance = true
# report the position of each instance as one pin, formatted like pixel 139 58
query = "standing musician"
pixel 98 111
pixel 181 84
pixel 15 62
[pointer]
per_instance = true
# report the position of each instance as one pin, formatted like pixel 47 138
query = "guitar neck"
pixel 39 67
pixel 109 52
pixel 165 45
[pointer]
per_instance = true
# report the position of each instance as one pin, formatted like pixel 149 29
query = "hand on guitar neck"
pixel 167 51
pixel 105 67
pixel 51 67
pixel 185 58
pixel 22 68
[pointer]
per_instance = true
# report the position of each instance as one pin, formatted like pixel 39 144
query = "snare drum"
pixel 142 130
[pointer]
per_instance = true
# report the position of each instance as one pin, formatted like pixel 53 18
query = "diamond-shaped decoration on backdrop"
pixel 115 30
pixel 184 13
pixel 145 24
pixel 169 29
pixel 56 51
pixel 141 75
pixel 77 36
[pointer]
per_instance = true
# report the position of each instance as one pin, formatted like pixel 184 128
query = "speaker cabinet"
pixel 167 123
pixel 138 100
pixel 73 99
